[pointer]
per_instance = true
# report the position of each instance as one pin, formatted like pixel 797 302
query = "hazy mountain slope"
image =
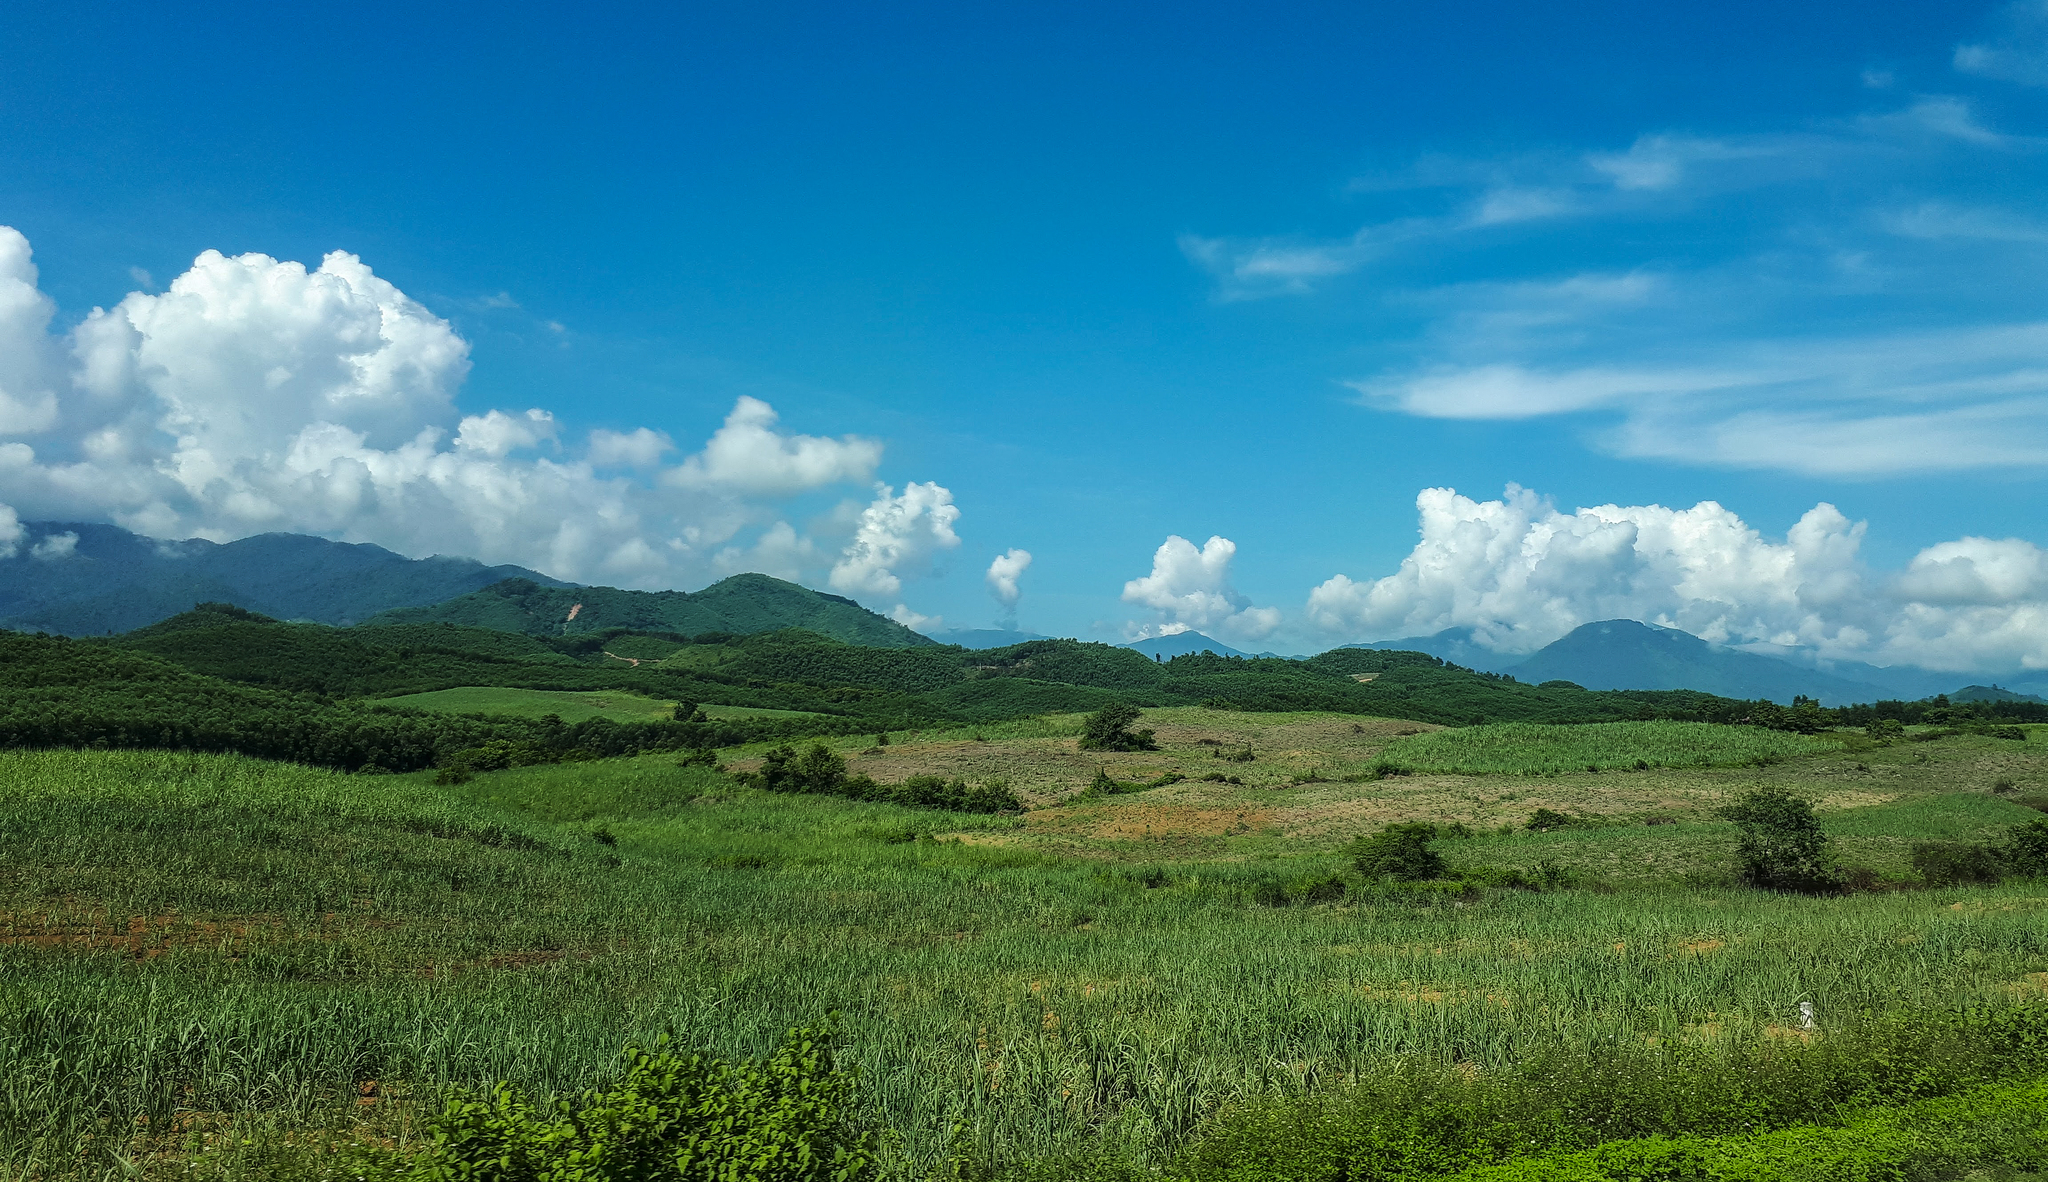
pixel 980 638
pixel 1992 693
pixel 1625 654
pixel 83 579
pixel 742 604
pixel 1184 642
pixel 1452 644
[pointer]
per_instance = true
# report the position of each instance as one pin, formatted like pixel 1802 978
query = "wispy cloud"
pixel 1850 298
pixel 2017 50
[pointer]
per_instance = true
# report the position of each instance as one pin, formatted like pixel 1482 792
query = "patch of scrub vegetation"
pixel 1530 749
pixel 567 705
pixel 717 712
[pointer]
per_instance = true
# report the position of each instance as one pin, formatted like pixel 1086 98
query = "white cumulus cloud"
pixel 1002 577
pixel 1190 588
pixel 638 448
pixel 897 535
pixel 29 366
pixel 748 455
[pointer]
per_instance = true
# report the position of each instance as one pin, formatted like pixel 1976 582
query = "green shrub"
pixel 786 1118
pixel 822 770
pixel 1545 820
pixel 2024 854
pixel 1400 852
pixel 1108 729
pixel 1783 847
pixel 2026 849
pixel 1957 863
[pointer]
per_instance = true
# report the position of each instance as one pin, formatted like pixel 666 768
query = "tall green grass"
pixel 1527 748
pixel 302 931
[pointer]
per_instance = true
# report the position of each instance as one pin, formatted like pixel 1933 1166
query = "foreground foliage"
pixel 786 1118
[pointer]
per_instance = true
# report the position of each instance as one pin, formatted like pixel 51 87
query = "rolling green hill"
pixel 742 604
pixel 799 670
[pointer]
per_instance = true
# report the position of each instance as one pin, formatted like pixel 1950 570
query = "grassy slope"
pixel 327 928
pixel 1521 748
pixel 568 705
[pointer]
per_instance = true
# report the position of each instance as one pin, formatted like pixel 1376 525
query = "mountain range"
pixel 80 579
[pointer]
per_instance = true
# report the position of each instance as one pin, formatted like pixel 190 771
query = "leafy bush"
pixel 2026 849
pixel 1782 847
pixel 1546 820
pixel 1108 729
pixel 1956 863
pixel 786 1118
pixel 822 771
pixel 1400 852
pixel 2023 854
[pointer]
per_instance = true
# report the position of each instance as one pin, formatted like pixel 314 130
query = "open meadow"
pixel 219 965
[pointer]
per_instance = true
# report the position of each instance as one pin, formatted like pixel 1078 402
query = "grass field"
pixel 570 706
pixel 1532 749
pixel 235 951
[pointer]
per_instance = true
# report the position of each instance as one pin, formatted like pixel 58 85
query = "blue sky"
pixel 1102 275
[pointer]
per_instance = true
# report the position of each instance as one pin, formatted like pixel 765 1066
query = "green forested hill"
pixel 743 604
pixel 793 669
pixel 219 678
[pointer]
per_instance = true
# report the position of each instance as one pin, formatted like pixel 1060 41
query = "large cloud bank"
pixel 255 395
pixel 1521 573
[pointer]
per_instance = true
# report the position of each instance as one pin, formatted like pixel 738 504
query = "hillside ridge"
pixel 744 604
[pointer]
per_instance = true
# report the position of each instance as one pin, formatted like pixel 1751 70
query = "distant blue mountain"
pixel 1627 654
pixel 980 638
pixel 1180 643
pixel 80 579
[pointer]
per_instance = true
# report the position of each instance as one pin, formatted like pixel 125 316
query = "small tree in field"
pixel 1108 729
pixel 1399 852
pixel 1782 847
